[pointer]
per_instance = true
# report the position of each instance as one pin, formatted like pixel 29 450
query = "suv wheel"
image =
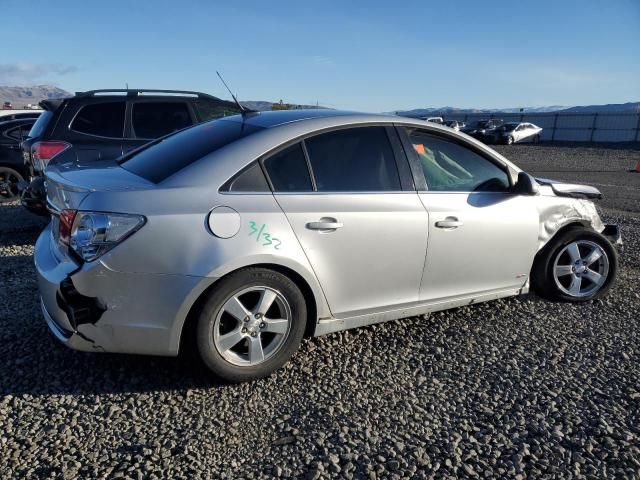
pixel 9 179
pixel 577 266
pixel 251 324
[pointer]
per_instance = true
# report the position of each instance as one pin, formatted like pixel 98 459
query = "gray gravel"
pixel 520 388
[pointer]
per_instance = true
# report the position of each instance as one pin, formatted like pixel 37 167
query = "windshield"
pixel 159 159
pixel 38 128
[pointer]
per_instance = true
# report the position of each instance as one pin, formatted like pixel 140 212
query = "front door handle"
pixel 325 223
pixel 449 223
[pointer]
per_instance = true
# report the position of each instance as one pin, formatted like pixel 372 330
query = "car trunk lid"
pixel 68 186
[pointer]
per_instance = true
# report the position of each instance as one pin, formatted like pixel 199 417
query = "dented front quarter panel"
pixel 557 212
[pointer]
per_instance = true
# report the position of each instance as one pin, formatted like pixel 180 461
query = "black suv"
pixel 105 124
pixel 12 169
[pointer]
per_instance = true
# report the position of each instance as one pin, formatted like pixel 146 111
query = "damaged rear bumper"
pixel 91 307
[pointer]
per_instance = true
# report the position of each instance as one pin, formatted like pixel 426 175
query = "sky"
pixel 370 56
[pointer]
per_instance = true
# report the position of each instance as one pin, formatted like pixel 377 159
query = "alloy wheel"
pixel 252 326
pixel 581 268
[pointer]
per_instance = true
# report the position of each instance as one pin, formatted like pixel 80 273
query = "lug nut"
pixel 244 330
pixel 253 334
pixel 262 325
pixel 246 319
pixel 258 315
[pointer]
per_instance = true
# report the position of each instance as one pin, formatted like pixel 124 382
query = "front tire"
pixel 252 323
pixel 577 266
pixel 510 140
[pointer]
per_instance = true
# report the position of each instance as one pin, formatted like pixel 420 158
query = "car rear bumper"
pixel 93 308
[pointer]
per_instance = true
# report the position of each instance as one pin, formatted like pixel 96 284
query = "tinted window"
pixel 162 158
pixel 448 166
pixel 353 160
pixel 103 119
pixel 288 170
pixel 18 133
pixel 249 180
pixel 156 119
pixel 41 124
pixel 208 110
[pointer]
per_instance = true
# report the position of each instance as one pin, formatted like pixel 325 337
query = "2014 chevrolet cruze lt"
pixel 252 230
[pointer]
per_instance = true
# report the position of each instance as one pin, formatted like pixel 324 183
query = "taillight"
pixel 43 152
pixel 95 233
pixel 66 224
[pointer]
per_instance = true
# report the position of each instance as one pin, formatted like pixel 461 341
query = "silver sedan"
pixel 249 232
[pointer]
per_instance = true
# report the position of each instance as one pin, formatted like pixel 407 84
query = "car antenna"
pixel 243 110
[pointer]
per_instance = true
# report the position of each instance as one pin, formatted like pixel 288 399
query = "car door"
pixel 482 237
pixel 151 119
pixel 357 217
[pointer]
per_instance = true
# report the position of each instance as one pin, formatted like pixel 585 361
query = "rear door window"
pixel 288 170
pixel 156 119
pixel 353 160
pixel 100 119
pixel 161 158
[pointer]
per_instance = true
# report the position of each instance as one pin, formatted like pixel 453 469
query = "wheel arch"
pixel 186 331
pixel 20 169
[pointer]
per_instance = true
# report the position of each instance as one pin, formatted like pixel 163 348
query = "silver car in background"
pixel 247 233
pixel 514 132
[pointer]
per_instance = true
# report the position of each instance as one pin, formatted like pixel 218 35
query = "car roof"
pixel 276 118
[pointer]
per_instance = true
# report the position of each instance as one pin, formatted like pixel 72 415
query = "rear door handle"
pixel 449 223
pixel 328 224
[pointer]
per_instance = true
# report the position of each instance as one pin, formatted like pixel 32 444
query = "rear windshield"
pixel 41 124
pixel 168 155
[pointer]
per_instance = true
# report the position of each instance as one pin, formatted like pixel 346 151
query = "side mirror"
pixel 526 185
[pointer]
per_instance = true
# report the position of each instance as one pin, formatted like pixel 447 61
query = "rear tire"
pixel 9 179
pixel 577 265
pixel 252 323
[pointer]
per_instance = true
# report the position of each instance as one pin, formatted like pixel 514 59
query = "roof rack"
pixel 134 92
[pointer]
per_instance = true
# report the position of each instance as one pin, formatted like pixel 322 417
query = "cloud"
pixel 322 61
pixel 17 72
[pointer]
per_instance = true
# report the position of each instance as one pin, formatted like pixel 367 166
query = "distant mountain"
pixel 21 96
pixel 633 107
pixel 630 107
pixel 263 106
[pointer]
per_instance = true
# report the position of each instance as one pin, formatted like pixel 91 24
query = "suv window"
pixel 41 124
pixel 353 160
pixel 101 119
pixel 156 119
pixel 288 170
pixel 451 167
pixel 208 110
pixel 160 159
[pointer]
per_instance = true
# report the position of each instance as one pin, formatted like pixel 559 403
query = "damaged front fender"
pixel 557 212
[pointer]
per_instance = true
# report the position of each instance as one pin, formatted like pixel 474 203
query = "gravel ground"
pixel 518 388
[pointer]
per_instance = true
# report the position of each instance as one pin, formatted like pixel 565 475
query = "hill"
pixel 21 96
pixel 631 107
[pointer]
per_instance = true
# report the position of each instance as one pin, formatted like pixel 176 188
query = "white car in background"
pixel 514 132
pixel 455 124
